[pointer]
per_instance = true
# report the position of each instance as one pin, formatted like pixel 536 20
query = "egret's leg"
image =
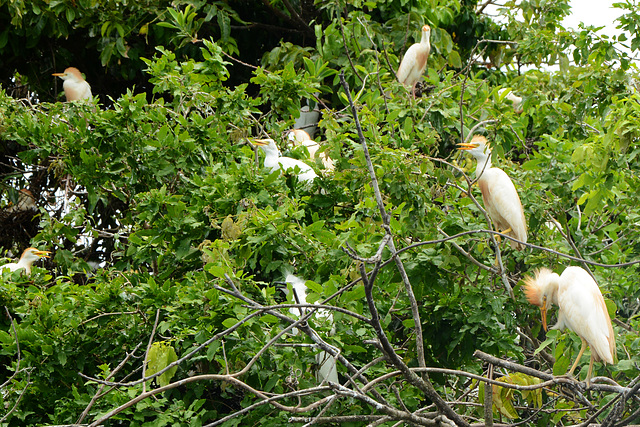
pixel 590 370
pixel 584 346
pixel 508 230
pixel 499 237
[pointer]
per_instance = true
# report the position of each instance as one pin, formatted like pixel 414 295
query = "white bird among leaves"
pixel 582 309
pixel 327 370
pixel 29 256
pixel 75 86
pixel 300 137
pixel 275 161
pixel 499 195
pixel 515 100
pixel 414 61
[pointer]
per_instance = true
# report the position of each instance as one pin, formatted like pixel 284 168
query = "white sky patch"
pixel 594 12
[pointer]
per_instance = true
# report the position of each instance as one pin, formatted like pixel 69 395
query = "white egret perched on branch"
pixel 326 363
pixel 582 309
pixel 275 161
pixel 29 256
pixel 499 195
pixel 414 61
pixel 300 137
pixel 75 86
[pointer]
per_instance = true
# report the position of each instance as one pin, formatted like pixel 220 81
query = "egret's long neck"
pixel 425 37
pixel 26 264
pixel 484 163
pixel 271 155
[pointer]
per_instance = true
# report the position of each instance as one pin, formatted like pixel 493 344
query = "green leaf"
pixel 160 355
pixel 313 286
pixel 212 349
pixel 454 59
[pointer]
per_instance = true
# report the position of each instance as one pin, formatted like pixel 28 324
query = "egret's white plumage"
pixel 326 363
pixel 75 86
pixel 515 100
pixel 414 61
pixel 300 137
pixel 29 256
pixel 274 161
pixel 499 195
pixel 581 309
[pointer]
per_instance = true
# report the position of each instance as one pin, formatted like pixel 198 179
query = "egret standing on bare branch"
pixel 499 195
pixel 75 86
pixel 29 256
pixel 582 309
pixel 326 363
pixel 414 61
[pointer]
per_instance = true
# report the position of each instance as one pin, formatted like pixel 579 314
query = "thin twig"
pixel 99 393
pixel 386 224
pixel 146 353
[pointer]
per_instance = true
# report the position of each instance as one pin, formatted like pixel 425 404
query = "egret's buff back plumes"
pixel 75 86
pixel 300 137
pixel 29 256
pixel 26 202
pixel 581 309
pixel 274 161
pixel 414 61
pixel 499 195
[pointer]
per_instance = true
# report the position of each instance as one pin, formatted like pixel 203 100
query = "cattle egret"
pixel 414 61
pixel 499 195
pixel 29 256
pixel 515 100
pixel 582 309
pixel 75 86
pixel 26 202
pixel 275 161
pixel 300 137
pixel 326 363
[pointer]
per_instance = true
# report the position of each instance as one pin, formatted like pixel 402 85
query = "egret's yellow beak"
pixel 467 146
pixel 260 142
pixel 42 254
pixel 58 74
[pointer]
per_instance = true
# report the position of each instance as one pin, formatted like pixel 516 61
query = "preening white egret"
pixel 75 86
pixel 275 161
pixel 499 195
pixel 414 61
pixel 29 256
pixel 326 363
pixel 582 309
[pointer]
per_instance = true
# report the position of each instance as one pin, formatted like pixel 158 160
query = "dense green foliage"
pixel 155 205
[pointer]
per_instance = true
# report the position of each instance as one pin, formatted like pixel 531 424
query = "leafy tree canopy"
pixel 164 302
